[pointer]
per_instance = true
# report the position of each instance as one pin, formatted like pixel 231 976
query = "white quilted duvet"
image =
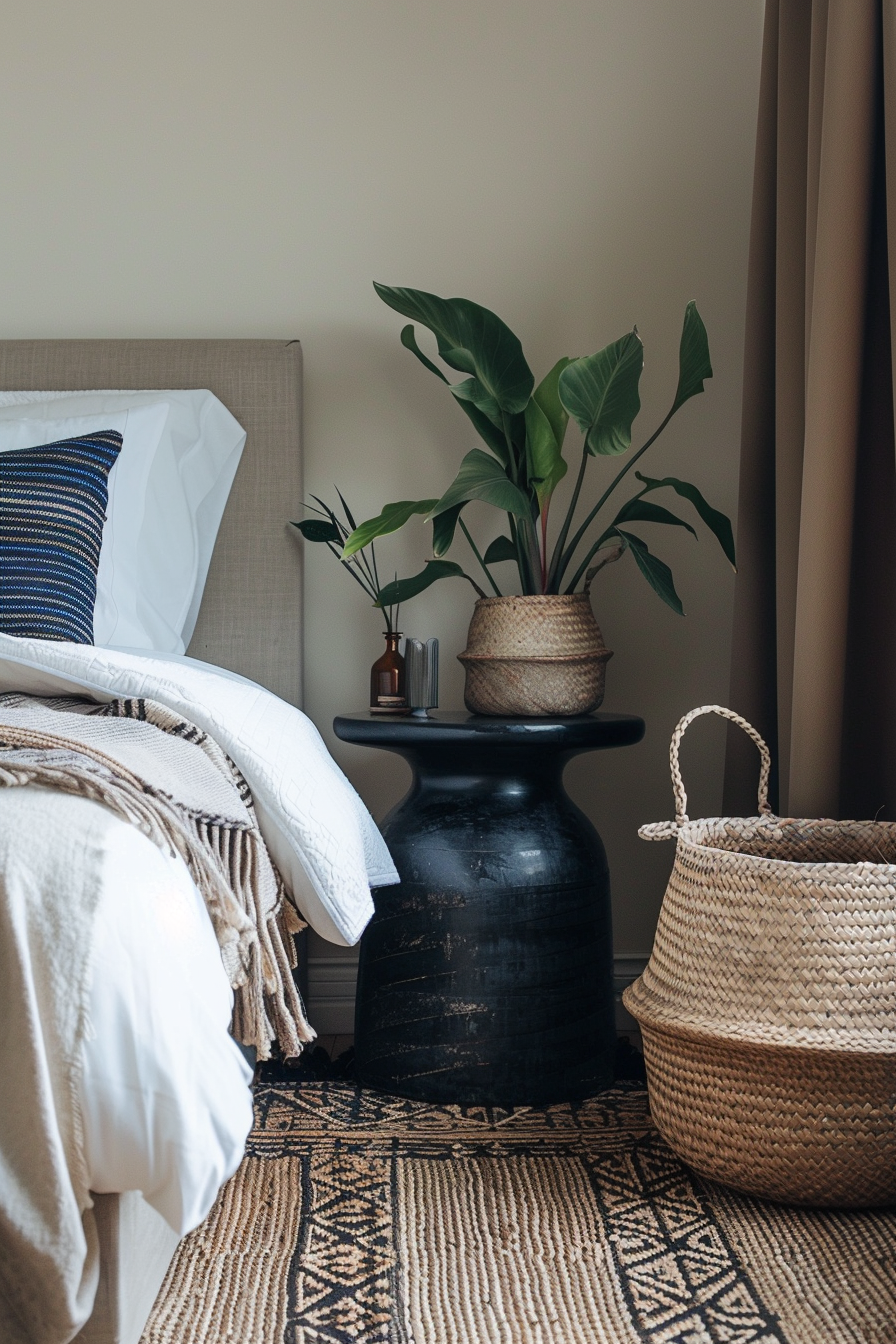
pixel 318 831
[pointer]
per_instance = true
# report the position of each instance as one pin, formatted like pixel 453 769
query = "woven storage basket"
pixel 534 656
pixel 768 1006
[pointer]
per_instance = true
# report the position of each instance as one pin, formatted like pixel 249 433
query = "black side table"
pixel 486 975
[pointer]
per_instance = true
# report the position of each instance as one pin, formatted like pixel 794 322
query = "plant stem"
pixel 375 579
pixel 544 550
pixel 376 573
pixel 511 455
pixel 371 574
pixel 355 575
pixel 484 567
pixel 584 565
pixel 517 546
pixel 361 580
pixel 567 522
pixel 527 540
pixel 570 549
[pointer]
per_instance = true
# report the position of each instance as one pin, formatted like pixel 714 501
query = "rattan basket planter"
pixel 768 1006
pixel 534 657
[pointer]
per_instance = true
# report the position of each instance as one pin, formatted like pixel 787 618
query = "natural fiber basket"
pixel 768 1006
pixel 535 656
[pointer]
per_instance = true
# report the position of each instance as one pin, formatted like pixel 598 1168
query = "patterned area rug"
pixel 357 1217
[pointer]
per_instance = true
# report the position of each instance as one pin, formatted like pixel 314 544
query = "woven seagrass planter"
pixel 534 657
pixel 768 1006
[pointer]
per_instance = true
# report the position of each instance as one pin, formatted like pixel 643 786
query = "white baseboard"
pixel 331 993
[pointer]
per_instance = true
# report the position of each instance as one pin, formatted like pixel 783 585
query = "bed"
pixel 249 624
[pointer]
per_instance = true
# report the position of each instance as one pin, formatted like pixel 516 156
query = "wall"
pixel 224 169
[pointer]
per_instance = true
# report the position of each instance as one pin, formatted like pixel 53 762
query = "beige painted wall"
pixel 234 169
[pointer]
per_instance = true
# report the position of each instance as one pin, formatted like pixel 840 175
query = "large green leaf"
pixel 545 466
pixel 409 341
pixel 492 434
pixel 547 396
pixel 693 357
pixel 471 390
pixel 443 529
pixel 502 548
pixel 718 523
pixel 488 432
pixel 657 574
pixel 481 477
pixel 318 529
pixel 471 339
pixel 402 590
pixel 601 392
pixel 642 511
pixel 391 519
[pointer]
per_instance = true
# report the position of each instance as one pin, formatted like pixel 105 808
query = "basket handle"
pixel 665 830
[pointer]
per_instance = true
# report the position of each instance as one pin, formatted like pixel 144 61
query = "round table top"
pixel 448 727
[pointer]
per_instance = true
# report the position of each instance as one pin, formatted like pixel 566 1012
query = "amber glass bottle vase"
pixel 387 679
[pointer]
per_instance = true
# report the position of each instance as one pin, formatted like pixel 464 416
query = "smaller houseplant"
pixel 517 640
pixel 332 531
pixel 387 676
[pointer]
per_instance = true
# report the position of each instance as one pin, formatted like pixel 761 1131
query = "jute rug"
pixel 357 1218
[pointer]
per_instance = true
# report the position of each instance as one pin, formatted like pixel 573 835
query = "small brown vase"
pixel 534 657
pixel 387 679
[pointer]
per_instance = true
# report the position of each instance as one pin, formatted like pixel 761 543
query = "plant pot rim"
pixel 534 597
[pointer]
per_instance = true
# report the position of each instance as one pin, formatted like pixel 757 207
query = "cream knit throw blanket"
pixel 172 781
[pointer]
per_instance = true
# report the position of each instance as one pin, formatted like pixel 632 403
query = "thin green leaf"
pixel 481 477
pixel 329 513
pixel 641 511
pixel 601 392
pixel 316 529
pixel 545 466
pixel 409 341
pixel 402 590
pixel 443 529
pixel 391 519
pixel 502 548
pixel 345 508
pixel 693 357
pixel 718 523
pixel 471 339
pixel 656 572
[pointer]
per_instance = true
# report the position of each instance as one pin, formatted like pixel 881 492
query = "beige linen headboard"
pixel 251 615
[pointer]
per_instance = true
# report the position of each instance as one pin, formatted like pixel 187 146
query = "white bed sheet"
pixel 319 833
pixel 164 1089
pixel 164 1094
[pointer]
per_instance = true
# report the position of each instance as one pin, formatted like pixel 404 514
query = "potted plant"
pixel 388 674
pixel 540 652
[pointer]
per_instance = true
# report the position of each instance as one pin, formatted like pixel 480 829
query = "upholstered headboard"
pixel 251 615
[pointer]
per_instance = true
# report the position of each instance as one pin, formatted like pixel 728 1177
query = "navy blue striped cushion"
pixel 52 509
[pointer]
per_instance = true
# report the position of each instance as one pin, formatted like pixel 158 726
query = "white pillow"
pixel 167 493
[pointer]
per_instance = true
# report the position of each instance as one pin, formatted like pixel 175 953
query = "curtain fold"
pixel 814 653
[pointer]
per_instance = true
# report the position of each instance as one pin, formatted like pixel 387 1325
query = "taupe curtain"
pixel 814 657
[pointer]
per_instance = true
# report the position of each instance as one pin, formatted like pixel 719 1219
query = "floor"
pixel 357 1216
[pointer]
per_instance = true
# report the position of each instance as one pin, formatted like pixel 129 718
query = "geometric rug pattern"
pixel 358 1218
